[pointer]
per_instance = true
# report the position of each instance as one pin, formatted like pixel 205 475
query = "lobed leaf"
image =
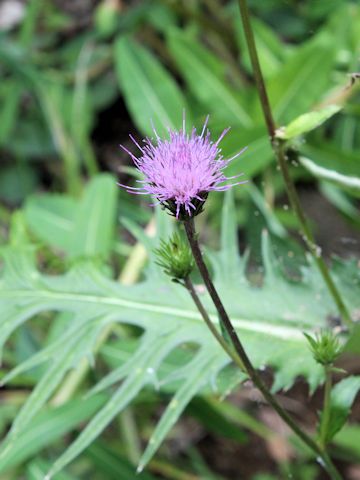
pixel 272 334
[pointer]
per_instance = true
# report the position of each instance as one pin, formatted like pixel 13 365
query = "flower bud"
pixel 175 257
pixel 325 347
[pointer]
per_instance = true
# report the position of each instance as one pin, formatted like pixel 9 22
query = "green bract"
pixel 325 347
pixel 175 257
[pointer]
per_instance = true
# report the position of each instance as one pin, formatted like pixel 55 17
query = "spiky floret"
pixel 181 170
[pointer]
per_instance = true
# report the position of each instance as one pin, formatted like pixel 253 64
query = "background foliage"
pixel 101 355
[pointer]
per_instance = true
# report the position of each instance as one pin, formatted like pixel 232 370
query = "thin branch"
pixel 325 417
pixel 236 359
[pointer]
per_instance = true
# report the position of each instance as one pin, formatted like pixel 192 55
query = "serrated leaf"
pixel 44 389
pixel 191 386
pixel 307 122
pixel 119 400
pixel 272 334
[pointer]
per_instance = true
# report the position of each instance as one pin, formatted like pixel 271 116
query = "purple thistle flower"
pixel 181 171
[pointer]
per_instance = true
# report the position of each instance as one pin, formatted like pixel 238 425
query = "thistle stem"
pixel 280 154
pixel 253 374
pixel 325 418
pixel 236 359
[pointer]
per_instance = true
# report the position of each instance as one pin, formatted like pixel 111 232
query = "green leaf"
pixel 17 182
pixel 205 75
pixel 337 162
pixel 164 311
pixel 293 90
pixel 349 438
pixel 342 397
pixel 307 122
pixel 352 346
pixel 119 400
pixel 49 426
pixel 94 235
pixel 271 50
pixel 214 421
pixel 12 99
pixel 36 470
pixel 85 228
pixel 51 218
pixel 112 465
pixel 191 386
pixel 257 156
pixel 150 92
pixel 272 221
pixel 64 360
pixel 340 200
pixel 229 237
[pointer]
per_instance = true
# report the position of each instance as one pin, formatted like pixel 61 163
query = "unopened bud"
pixel 175 257
pixel 325 347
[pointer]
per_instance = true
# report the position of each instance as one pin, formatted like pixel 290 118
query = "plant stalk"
pixel 253 374
pixel 325 417
pixel 280 155
pixel 236 359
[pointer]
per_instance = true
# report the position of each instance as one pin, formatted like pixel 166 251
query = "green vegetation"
pixel 107 366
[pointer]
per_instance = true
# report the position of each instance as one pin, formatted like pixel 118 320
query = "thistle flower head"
pixel 181 170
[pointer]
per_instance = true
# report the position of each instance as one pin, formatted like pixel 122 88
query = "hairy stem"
pixel 253 374
pixel 325 417
pixel 236 359
pixel 280 154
